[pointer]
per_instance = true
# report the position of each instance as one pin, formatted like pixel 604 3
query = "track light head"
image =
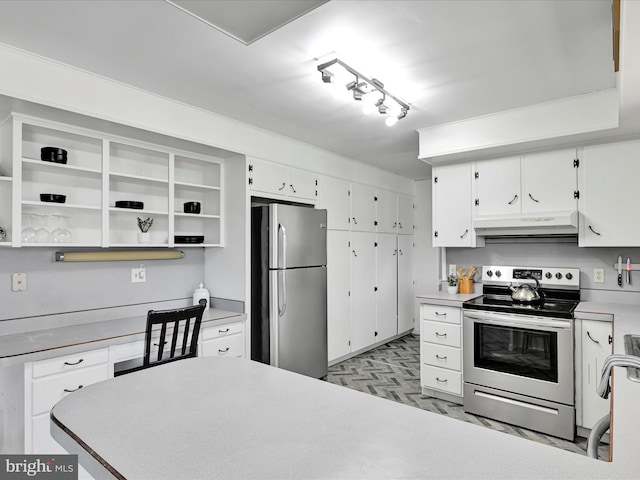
pixel 327 77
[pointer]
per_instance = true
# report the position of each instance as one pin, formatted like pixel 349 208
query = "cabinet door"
pixel 406 296
pixel 363 208
pixel 608 195
pixel 387 286
pixel 549 181
pixel 363 295
pixel 386 212
pixel 452 206
pixel 338 300
pixel 498 186
pixel 302 184
pixel 333 195
pixel 405 215
pixel 267 177
pixel 595 349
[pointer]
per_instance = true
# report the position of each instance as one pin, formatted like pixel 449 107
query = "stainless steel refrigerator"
pixel 289 288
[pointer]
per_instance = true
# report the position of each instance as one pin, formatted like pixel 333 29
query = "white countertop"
pixel 223 418
pixel 444 298
pixel 39 344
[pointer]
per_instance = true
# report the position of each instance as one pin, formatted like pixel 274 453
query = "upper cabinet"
pixel 281 181
pixel 608 195
pixel 363 208
pixel 452 204
pixel 540 182
pixel 394 213
pixel 93 194
pixel 334 196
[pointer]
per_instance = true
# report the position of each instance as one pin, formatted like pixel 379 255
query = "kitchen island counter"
pixel 233 418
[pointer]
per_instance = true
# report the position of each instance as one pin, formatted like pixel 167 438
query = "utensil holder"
pixel 465 284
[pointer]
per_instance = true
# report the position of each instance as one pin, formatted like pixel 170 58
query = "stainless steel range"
pixel 518 348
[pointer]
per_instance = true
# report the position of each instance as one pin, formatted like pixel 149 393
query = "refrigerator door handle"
pixel 282 263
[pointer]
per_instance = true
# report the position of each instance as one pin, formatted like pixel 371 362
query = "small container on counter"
pixel 201 293
pixel 465 284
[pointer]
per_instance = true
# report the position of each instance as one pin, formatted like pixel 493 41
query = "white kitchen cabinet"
pixel 363 295
pixel 363 208
pixel 334 196
pixel 532 183
pixel 48 381
pixel 405 215
pixel 6 181
pixel 441 351
pixel 386 211
pixel 549 181
pixel 452 206
pixel 386 285
pixel 596 345
pixel 272 178
pixel 227 340
pixel 406 293
pixel 608 195
pixel 338 294
pixel 101 170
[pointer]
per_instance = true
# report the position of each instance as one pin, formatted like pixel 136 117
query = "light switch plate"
pixel 453 269
pixel 18 282
pixel 138 274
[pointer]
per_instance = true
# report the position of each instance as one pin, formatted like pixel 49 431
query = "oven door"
pixel 523 354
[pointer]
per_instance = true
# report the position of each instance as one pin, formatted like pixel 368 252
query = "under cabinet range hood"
pixel 527 224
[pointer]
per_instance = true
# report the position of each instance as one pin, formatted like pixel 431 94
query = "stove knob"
pixel 558 275
pixel 569 276
pixel 489 273
pixel 548 275
pixel 498 273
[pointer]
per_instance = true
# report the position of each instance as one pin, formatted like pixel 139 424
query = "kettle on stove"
pixel 526 293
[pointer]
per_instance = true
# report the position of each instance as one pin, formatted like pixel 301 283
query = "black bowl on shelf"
pixel 53 197
pixel 130 204
pixel 53 154
pixel 192 207
pixel 188 238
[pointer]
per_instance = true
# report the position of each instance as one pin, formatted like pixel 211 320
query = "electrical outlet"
pixel 453 269
pixel 138 274
pixel 598 275
pixel 18 282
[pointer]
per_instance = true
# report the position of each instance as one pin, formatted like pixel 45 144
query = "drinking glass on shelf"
pixel 28 233
pixel 42 234
pixel 61 234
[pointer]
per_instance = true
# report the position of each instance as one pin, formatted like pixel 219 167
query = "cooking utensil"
pixel 53 154
pixel 130 204
pixel 192 207
pixel 628 271
pixel 620 270
pixel 525 293
pixel 188 238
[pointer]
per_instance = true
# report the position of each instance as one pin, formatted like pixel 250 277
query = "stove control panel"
pixel 547 276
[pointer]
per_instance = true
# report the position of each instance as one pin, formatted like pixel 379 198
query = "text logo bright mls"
pixel 49 467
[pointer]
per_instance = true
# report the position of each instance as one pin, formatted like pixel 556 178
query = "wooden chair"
pixel 183 337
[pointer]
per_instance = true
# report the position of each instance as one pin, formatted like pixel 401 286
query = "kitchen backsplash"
pixel 54 287
pixel 561 253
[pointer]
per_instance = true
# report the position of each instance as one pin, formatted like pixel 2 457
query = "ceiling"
pixel 450 60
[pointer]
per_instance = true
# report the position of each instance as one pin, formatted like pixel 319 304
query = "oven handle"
pixel 519 321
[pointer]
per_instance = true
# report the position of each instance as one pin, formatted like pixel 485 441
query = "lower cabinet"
pixel 596 345
pixel 441 351
pixel 47 382
pixel 222 341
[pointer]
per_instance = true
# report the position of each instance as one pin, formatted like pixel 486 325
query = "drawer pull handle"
pixel 74 363
pixel 438 314
pixel 441 334
pixel 591 338
pixel 439 380
pixel 441 358
pixel 223 331
pixel 73 390
pixel 223 351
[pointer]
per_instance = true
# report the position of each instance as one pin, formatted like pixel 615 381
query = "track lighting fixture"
pixel 366 90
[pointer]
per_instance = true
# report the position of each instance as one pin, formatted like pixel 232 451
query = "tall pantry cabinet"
pixel 370 233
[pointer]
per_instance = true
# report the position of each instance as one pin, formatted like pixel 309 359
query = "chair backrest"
pixel 180 327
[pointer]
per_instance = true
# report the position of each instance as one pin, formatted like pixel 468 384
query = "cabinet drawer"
pixel 441 356
pixel 441 379
pixel 440 313
pixel 70 362
pixel 224 347
pixel 127 351
pixel 440 333
pixel 45 392
pixel 221 331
